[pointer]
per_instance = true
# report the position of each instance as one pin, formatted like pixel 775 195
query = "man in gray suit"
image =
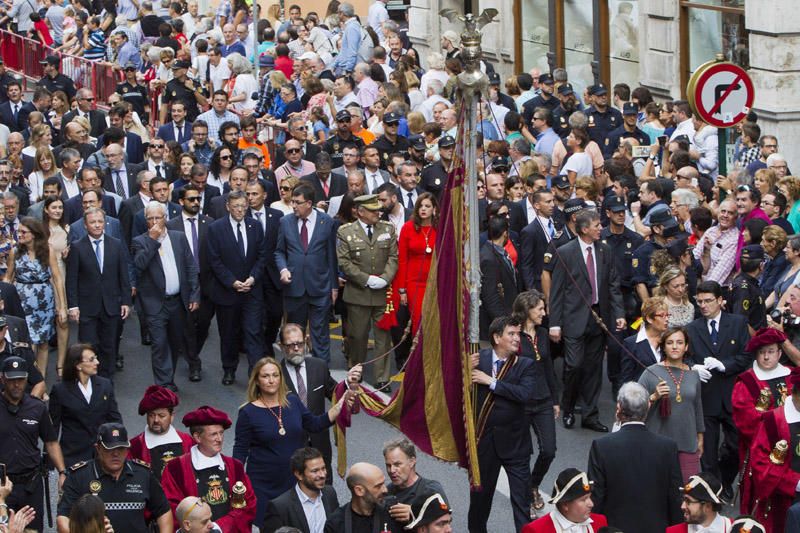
pixel 305 256
pixel 168 284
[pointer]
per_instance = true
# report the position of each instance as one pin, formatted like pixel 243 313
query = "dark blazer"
pixel 793 519
pixel 732 337
pixel 314 270
pixel 310 152
pixel 518 217
pixel 7 116
pixel 337 186
pixel 286 510
pixel 132 205
pixel 167 170
pixel 11 302
pixel 499 287
pixel 532 246
pixel 209 193
pixel 267 180
pixel 167 132
pixel 217 208
pixel 640 351
pixel 151 283
pixel 635 459
pixel 140 224
pixel 203 222
pixel 506 425
pixel 568 303
pixel 228 265
pixel 79 420
pixel 130 175
pixel 77 230
pixel 134 148
pixel 97 121
pixel 271 229
pixel 73 208
pixel 89 289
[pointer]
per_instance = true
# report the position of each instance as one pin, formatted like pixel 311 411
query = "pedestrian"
pixel 365 510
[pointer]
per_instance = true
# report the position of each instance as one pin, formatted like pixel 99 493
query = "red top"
pixel 41 26
pixel 414 264
pixel 545 524
pixel 285 65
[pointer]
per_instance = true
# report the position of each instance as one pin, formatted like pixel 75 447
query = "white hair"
pixel 239 64
pixel 154 53
pixel 775 158
pixel 156 205
pixel 435 61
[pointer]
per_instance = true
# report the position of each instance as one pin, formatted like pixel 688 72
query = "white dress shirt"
pixel 234 227
pixel 563 524
pixel 314 511
pixel 87 390
pixel 123 178
pixel 292 371
pixel 151 166
pixel 716 322
pixel 70 186
pixel 260 216
pixel 546 223
pixel 404 197
pixel 172 283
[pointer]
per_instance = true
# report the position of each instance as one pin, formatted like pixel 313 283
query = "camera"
pixel 785 317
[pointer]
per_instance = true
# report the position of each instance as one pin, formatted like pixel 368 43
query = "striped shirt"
pixel 722 257
pixel 97 48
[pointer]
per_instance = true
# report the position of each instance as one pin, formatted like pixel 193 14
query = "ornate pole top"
pixel 471 52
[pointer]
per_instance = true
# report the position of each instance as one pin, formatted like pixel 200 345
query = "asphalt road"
pixel 365 437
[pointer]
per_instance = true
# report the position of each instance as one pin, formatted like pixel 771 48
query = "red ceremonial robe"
pixel 774 485
pixel 545 524
pixel 747 418
pixel 139 449
pixel 179 482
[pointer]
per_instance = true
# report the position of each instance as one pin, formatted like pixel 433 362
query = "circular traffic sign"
pixel 721 93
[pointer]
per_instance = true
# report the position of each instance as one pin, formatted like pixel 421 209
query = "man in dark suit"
pixel 408 177
pixel 505 385
pixel 374 175
pixel 305 257
pixel 496 192
pixel 119 178
pixel 134 148
pixel 98 288
pixel 534 239
pixel 499 280
pixel 92 200
pixel 634 460
pixel 237 182
pixel 155 162
pixel 159 192
pixel 717 342
pixel 288 511
pixel 178 129
pixel 14 113
pixel 135 203
pixel 324 183
pixel 237 257
pixel 168 285
pixel 9 301
pixel 88 178
pixel 198 178
pixel 195 227
pixel 97 118
pixel 584 286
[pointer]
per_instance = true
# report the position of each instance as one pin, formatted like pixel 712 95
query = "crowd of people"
pixel 274 198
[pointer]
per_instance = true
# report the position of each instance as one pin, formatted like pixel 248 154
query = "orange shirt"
pixel 365 135
pixel 244 145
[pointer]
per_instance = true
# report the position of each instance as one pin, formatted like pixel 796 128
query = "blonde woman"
pixel 673 287
pixel 44 166
pixel 285 203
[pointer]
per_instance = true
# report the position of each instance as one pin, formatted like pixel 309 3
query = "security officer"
pixel 416 151
pixel 746 298
pixel 562 192
pixel 5 78
pixel 571 209
pixel 544 99
pixel 622 242
pixel 434 176
pixel 390 142
pixel 627 129
pixel 36 385
pixel 502 99
pixel 367 253
pixel 53 80
pixel 25 420
pixel 645 278
pixel 127 487
pixel 603 119
pixel 344 138
pixel 182 89
pixel 567 106
pixel 134 92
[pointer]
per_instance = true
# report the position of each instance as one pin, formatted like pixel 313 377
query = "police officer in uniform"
pixel 134 92
pixel 390 142
pixel 53 80
pixel 544 99
pixel 628 128
pixel 36 385
pixel 746 298
pixel 603 119
pixel 127 487
pixel 367 252
pixel 434 176
pixel 663 227
pixel 502 99
pixel 344 138
pixel 567 106
pixel 182 89
pixel 25 420
pixel 562 237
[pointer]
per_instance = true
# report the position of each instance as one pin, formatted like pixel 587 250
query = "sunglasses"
pixel 293 151
pixel 157 146
pixel 192 199
pixel 88 99
pixel 225 157
pixel 286 188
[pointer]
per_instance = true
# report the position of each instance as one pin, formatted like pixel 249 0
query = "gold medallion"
pixel 678 398
pixel 281 431
pixel 95 486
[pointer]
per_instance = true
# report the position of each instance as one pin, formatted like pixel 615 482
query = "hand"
pixel 700 444
pixel 556 411
pixel 774 325
pixel 62 316
pixel 712 363
pixel 74 314
pixel 374 282
pixel 620 324
pixel 474 360
pixel 191 145
pixel 703 372
pixel 322 205
pixel 334 411
pixel 662 389
pixel 65 252
pixel 403 298
pixel 62 477
pixel 354 375
pixel 286 276
pixel 124 311
pixel 555 334
pixel 189 84
pixel 636 207
pixel 155 231
pixel 401 512
pixel 334 293
pixel 17 522
pixel 249 282
pixel 238 286
pixel 194 306
pixel 5 490
pixel 480 377
pixel 654 148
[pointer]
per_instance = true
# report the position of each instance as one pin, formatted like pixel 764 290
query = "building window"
pixel 623 32
pixel 578 43
pixel 535 36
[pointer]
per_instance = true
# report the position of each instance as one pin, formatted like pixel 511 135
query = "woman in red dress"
pixel 415 251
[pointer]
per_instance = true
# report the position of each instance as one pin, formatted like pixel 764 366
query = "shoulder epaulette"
pixel 140 462
pixel 78 466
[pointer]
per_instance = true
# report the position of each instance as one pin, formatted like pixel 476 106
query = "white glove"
pixel 703 372
pixel 374 282
pixel 712 363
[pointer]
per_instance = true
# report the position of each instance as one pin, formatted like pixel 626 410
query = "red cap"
pixel 157 397
pixel 206 416
pixel 764 337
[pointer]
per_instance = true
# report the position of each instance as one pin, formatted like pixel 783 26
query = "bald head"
pixel 193 514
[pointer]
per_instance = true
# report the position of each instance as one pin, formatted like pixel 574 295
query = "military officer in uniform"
pixel 367 253
pixel 434 176
pixel 134 92
pixel 127 487
pixel 390 142
pixel 568 105
pixel 746 298
pixel 55 81
pixel 602 118
pixel 628 129
pixel 182 89
pixel 344 138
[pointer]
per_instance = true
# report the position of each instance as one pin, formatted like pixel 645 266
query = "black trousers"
pixel 480 502
pixel 29 491
pixel 544 427
pixel 102 332
pixel 196 330
pixel 273 315
pixel 241 321
pixel 583 371
pixel 167 333
pixel 314 311
pixel 721 459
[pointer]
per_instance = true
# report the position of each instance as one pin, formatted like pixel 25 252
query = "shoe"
pixel 146 339
pixel 171 386
pixel 537 503
pixel 195 375
pixel 119 364
pixel 569 420
pixel 229 377
pixel 595 426
pixel 727 494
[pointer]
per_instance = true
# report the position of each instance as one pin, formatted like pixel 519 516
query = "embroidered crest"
pixel 216 492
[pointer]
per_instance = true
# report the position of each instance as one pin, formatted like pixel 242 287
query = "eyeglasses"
pixel 293 150
pixel 661 315
pixel 88 99
pixel 299 202
pixel 294 345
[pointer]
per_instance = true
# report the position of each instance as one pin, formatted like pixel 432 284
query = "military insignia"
pixel 386 155
pixel 125 90
pixel 140 462
pixel 115 433
pixel 591 120
pixel 76 466
pixel 745 304
pixel 95 486
pixel 216 492
pixel 733 341
pixel 15 364
pixel 548 257
pixel 635 263
pixel 335 147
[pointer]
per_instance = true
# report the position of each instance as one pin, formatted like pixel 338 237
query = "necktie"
pixel 258 217
pixel 118 184
pixel 590 269
pixel 375 183
pixel 714 332
pixel 498 365
pixel 195 243
pixel 16 112
pixel 301 386
pixel 158 171
pixel 369 232
pixel 551 228
pixel 410 202
pixel 179 137
pixel 240 239
pixel 304 235
pixel 326 187
pixel 98 253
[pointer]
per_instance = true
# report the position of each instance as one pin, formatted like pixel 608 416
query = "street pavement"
pixel 364 439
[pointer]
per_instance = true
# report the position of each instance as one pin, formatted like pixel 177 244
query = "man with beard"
pixel 365 512
pixel 544 99
pixel 434 176
pixel 307 505
pixel 393 211
pixel 701 506
pixel 416 151
pixel 627 129
pixel 406 485
pixel 567 106
pixel 160 442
